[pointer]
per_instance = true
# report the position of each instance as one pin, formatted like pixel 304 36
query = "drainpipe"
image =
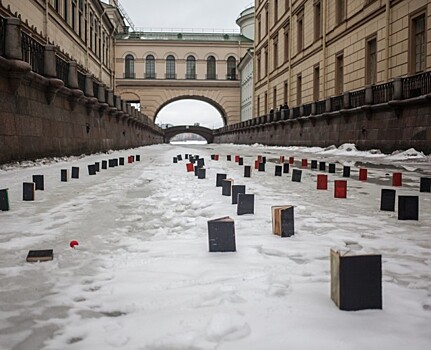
pixel 388 22
pixel 324 47
pixel 289 83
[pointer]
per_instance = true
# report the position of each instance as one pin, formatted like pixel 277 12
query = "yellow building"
pixel 309 50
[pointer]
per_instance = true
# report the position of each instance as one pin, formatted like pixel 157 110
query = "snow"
pixel 142 276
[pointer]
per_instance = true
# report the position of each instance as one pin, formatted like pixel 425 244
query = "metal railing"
pixel 296 112
pixel 382 93
pixel 417 85
pixel 320 107
pixel 62 69
pixel 81 80
pixel 357 98
pixel 2 35
pixel 336 103
pixel 306 109
pixel 33 53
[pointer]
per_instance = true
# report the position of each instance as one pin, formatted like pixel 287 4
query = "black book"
pixel 425 185
pixel 179 157
pixel 219 179
pixel 228 158
pixel 314 164
pixel 39 182
pixel 226 186
pixel 138 158
pixel 40 255
pixel 201 162
pixel 247 171
pixel 64 175
pixel 28 191
pixel 75 171
pixel 201 173
pixel 175 160
pixel 346 171
pixel 356 281
pixel 221 235
pixel 92 169
pixel 121 160
pixel 387 202
pixel 261 166
pixel 104 164
pixel 4 200
pixel 278 170
pixel 236 190
pixel 264 160
pixel 111 163
pixel 240 161
pixel 408 208
pixel 286 168
pixel 332 168
pixel 322 166
pixel 97 166
pixel 283 220
pixel 245 204
pixel 296 175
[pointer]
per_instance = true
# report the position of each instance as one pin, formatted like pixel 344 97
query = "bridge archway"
pixel 173 131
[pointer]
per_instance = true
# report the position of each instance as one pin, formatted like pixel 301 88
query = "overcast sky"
pixel 186 14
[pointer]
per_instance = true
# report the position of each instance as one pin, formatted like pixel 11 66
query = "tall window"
pixel 286 44
pixel 266 102
pixel 258 64
pixel 265 73
pixel 211 68
pixel 274 98
pixel 316 83
pixel 258 105
pixel 339 74
pixel 340 10
pixel 73 19
pixel 191 67
pixel 259 28
pixel 299 89
pixel 80 16
pixel 91 30
pixel 129 69
pixel 317 21
pixel 285 87
pixel 418 44
pixel 170 67
pixel 371 61
pixel 57 5
pixel 65 10
pixel 300 31
pixel 150 67
pixel 231 68
pixel 275 51
pixel 275 11
pixel 266 22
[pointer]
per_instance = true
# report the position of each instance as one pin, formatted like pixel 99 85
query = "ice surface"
pixel 142 276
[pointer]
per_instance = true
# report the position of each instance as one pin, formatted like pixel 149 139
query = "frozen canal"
pixel 142 276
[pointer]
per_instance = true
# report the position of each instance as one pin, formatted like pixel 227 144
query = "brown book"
pixel 283 220
pixel 40 255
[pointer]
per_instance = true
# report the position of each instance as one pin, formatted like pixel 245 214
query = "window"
pixel 317 21
pixel 211 68
pixel 191 67
pixel 299 89
pixel 340 10
pixel 265 72
pixel 266 22
pixel 274 99
pixel 275 50
pixel 418 44
pixel 316 83
pixel 80 16
pixel 339 74
pixel 286 44
pixel 73 14
pixel 275 11
pixel 300 29
pixel 258 105
pixel 170 67
pixel 266 102
pixel 371 61
pixel 286 5
pixel 57 6
pixel 259 28
pixel 231 68
pixel 65 12
pixel 129 69
pixel 285 87
pixel 150 67
pixel 91 31
pixel 258 60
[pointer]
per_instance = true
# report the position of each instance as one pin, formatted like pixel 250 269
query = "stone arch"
pixel 208 54
pixel 229 55
pixel 169 53
pixel 191 53
pixel 173 131
pixel 203 98
pixel 129 96
pixel 129 53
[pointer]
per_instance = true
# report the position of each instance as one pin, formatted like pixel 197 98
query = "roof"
pixel 179 36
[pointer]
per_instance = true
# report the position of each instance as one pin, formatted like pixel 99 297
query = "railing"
pixel 307 109
pixel 32 53
pixel 95 89
pixel 81 81
pixel 320 107
pixel 296 112
pixel 336 103
pixel 2 35
pixel 62 69
pixel 417 85
pixel 357 98
pixel 382 93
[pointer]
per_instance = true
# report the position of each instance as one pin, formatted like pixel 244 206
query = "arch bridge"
pixel 172 131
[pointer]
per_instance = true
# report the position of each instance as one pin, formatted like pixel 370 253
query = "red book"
pixel 291 160
pixel 397 179
pixel 129 159
pixel 236 159
pixel 259 158
pixel 322 182
pixel 340 189
pixel 216 157
pixel 256 164
pixel 304 163
pixel 281 161
pixel 190 167
pixel 363 174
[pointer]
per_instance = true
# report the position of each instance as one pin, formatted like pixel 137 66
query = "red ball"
pixel 73 244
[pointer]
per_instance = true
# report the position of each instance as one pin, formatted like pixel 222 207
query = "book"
pixel 40 255
pixel 283 220
pixel 221 235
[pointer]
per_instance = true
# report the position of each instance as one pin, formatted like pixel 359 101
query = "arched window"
pixel 150 67
pixel 211 68
pixel 129 69
pixel 191 68
pixel 170 67
pixel 231 68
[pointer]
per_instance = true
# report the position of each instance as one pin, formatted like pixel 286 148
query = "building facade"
pixel 309 50
pixel 83 29
pixel 157 68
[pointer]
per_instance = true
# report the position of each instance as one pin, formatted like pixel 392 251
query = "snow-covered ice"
pixel 142 276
